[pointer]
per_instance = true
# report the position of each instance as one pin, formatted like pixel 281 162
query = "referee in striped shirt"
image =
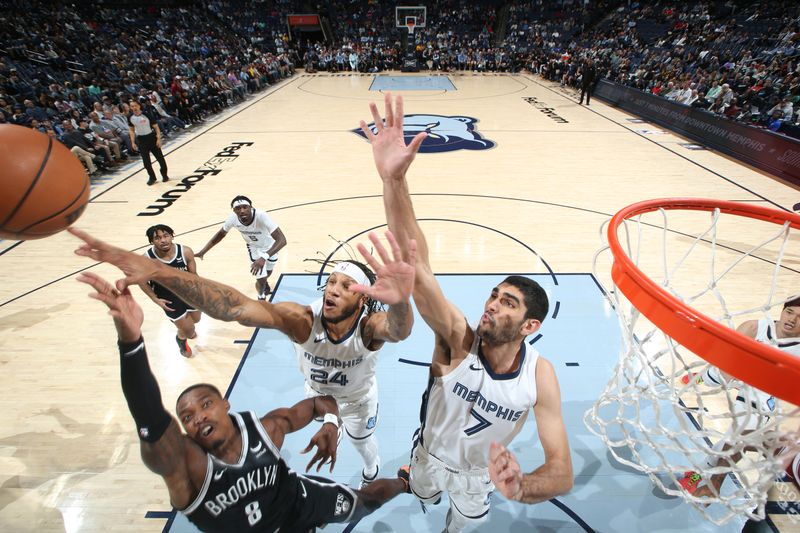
pixel 146 135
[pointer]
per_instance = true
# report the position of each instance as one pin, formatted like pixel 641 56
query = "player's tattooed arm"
pixel 215 299
pixel 399 320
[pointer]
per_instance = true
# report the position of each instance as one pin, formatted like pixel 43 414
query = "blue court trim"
pixel 410 362
pixel 242 341
pixel 536 338
pixel 158 514
pixel 572 514
pixel 573 364
pixel 555 311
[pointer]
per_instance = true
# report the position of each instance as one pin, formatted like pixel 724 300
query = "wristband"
pixel 332 418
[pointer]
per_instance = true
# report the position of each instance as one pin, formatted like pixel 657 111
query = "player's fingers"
pixel 376 242
pixel 85 237
pixel 308 448
pixel 495 450
pixel 387 106
pixel 367 132
pixel 371 261
pixel 415 143
pixel 376 117
pixel 333 460
pixel 362 289
pixel 398 110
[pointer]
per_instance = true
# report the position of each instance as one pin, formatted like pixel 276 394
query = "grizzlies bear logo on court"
pixel 445 133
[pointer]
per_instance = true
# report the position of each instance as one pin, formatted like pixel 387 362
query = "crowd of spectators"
pixel 734 58
pixel 740 61
pixel 73 72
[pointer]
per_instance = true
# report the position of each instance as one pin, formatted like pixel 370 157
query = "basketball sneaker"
pixel 183 346
pixel 404 473
pixel 151 181
pixel 366 480
pixel 690 482
pixel 164 178
pixel 698 378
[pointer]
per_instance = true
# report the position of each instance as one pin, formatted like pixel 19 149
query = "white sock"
pixel 368 449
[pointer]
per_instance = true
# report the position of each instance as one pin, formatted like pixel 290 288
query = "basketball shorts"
pixel 321 502
pixel 359 417
pixel 179 308
pixel 469 491
pixel 269 264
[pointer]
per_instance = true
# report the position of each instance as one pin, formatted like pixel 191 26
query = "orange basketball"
pixel 44 186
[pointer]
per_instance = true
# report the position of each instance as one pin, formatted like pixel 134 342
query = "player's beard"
pixel 499 334
pixel 346 313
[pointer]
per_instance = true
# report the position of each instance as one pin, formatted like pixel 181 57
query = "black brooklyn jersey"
pixel 178 262
pixel 258 493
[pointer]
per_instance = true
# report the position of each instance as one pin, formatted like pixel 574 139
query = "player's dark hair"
pixel 151 231
pixel 190 388
pixel 534 296
pixel 794 302
pixel 241 197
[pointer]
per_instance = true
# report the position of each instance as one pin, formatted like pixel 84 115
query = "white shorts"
pixel 269 264
pixel 360 417
pixel 469 491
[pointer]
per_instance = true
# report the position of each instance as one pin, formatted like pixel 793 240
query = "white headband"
pixel 237 203
pixel 352 271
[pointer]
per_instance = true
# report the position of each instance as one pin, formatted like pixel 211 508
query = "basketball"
pixel 45 187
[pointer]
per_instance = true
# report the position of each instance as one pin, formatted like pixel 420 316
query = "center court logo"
pixel 445 133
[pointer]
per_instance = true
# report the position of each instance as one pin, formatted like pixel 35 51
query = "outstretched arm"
pixel 215 299
pixel 165 450
pixel 392 159
pixel 554 477
pixel 290 419
pixel 218 236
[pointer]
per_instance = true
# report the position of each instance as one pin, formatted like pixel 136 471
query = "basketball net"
pixel 410 24
pixel 653 421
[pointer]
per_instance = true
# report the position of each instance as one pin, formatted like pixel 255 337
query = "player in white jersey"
pixel 262 236
pixel 483 379
pixel 338 337
pixel 783 334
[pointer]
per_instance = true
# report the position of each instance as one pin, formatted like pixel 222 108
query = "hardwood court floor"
pixel 69 456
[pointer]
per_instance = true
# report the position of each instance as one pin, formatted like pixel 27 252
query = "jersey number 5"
pixel 321 376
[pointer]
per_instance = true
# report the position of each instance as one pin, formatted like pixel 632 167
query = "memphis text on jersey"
pixel 212 167
pixel 332 362
pixel 241 488
pixel 475 396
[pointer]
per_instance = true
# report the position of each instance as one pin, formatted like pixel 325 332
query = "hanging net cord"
pixel 665 411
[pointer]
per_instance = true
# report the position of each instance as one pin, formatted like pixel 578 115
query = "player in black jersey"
pixel 226 473
pixel 177 256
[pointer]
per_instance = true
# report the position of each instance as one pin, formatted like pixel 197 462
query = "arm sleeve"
pixel 141 391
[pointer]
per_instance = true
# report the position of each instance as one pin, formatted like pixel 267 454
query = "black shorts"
pixel 179 309
pixel 322 502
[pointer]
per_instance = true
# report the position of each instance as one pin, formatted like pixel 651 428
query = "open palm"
pixel 395 277
pixel 392 156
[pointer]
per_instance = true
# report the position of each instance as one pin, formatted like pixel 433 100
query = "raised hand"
pixel 504 471
pixel 137 268
pixel 127 314
pixel 392 156
pixel 395 277
pixel 326 440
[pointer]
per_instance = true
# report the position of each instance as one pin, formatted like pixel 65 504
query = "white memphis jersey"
pixel 258 234
pixel 467 409
pixel 766 333
pixel 345 369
